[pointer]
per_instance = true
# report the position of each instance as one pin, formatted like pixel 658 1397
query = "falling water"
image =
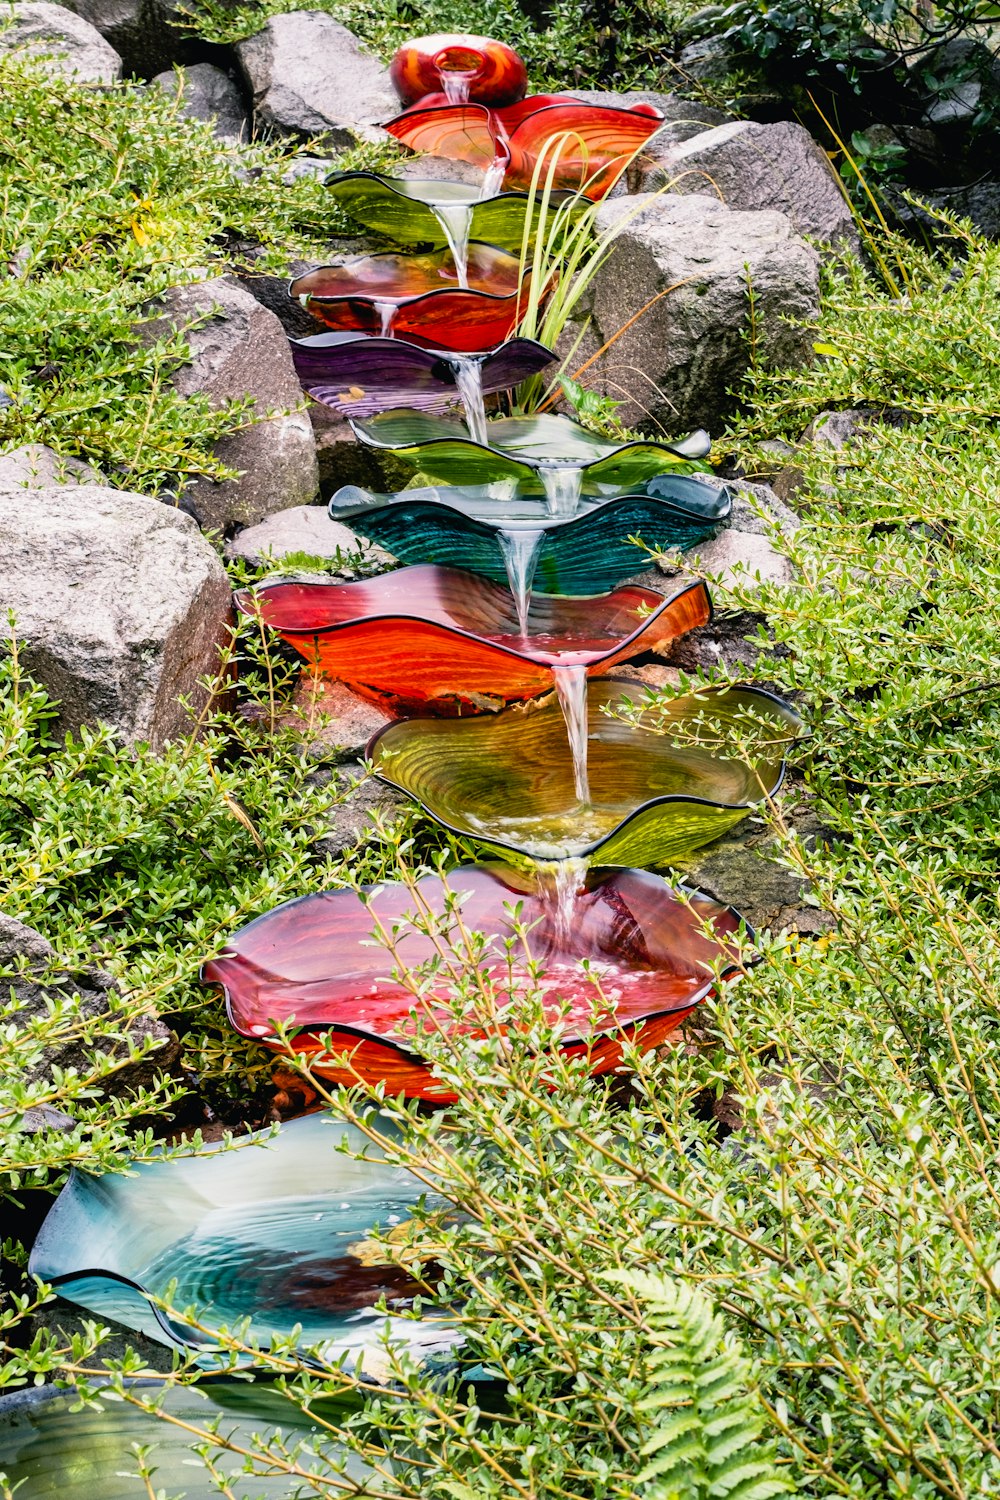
pixel 563 487
pixel 469 380
pixel 560 884
pixel 456 221
pixel 456 85
pixel 571 688
pixel 387 316
pixel 520 554
pixel 493 180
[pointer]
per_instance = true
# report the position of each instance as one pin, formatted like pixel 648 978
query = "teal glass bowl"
pixel 270 1231
pixel 472 526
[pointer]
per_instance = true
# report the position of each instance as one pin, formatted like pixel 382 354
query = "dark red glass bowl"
pixel 486 70
pixel 438 640
pixel 319 966
pixel 422 296
pixel 595 142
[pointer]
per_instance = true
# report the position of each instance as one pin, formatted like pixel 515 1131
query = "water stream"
pixel 563 487
pixel 387 317
pixel 469 380
pixel 456 85
pixel 520 554
pixel 571 689
pixel 559 885
pixel 493 180
pixel 456 221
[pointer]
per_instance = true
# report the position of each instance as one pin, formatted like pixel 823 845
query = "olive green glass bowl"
pixel 507 780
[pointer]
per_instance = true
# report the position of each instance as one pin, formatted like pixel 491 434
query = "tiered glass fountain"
pixel 490 648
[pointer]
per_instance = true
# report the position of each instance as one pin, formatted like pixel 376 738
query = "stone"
pixel 439 169
pixel 960 78
pixel 318 167
pixel 241 350
pixel 35 983
pixel 35 467
pixel 120 606
pixel 678 274
pixel 361 802
pixel 744 869
pixel 742 554
pixel 309 76
pixel 70 46
pixel 835 429
pixel 335 723
pixel 736 559
pixel 711 59
pixel 207 93
pixel 138 30
pixel 307 528
pixel 343 460
pixel 752 166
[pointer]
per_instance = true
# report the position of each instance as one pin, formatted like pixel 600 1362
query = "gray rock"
pixel 242 350
pixel 743 554
pixel 34 982
pixel 343 460
pixel 335 723
pixel 207 93
pixel 742 559
pixel 119 603
pixel 964 76
pixel 309 76
pixel 712 59
pixel 319 167
pixel 677 362
pixel 138 30
pixel 835 429
pixel 361 802
pixel 439 169
pixel 307 528
pixel 706 21
pixel 43 1117
pixel 35 467
pixel 744 870
pixel 752 166
pixel 70 46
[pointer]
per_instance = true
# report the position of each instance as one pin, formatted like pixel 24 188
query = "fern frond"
pixel 707 1426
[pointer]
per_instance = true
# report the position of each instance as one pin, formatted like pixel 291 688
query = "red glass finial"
pixel 473 69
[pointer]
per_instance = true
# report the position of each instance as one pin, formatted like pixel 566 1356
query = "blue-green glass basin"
pixel 587 553
pixel 273 1231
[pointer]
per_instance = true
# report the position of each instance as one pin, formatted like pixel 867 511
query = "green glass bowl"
pixel 54 1448
pixel 269 1232
pixel 507 780
pixel 525 450
pixel 412 211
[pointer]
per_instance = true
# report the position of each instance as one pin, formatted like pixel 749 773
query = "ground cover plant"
pixel 816 1164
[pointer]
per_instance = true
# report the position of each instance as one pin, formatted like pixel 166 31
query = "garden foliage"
pixel 843 1221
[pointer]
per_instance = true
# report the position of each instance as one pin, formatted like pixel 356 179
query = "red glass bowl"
pixel 461 64
pixel 439 640
pixel 597 144
pixel 417 297
pixel 322 960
